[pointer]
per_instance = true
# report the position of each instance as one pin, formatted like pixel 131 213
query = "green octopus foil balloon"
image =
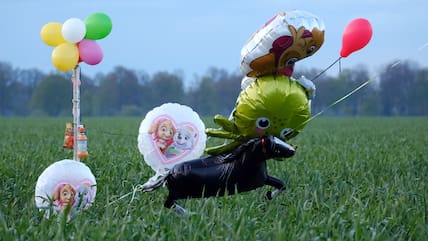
pixel 273 104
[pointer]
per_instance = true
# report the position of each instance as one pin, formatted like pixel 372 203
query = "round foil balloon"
pixel 65 183
pixel 170 134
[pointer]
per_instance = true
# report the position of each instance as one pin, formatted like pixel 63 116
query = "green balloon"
pixel 275 105
pixel 272 105
pixel 98 26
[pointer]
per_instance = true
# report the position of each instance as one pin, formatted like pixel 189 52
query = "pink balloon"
pixel 356 36
pixel 90 52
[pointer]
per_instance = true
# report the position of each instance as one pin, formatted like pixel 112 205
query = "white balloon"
pixel 63 182
pixel 171 134
pixel 73 30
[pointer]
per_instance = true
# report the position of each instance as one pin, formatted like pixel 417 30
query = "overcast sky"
pixel 193 35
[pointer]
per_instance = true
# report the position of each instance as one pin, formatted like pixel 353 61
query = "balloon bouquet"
pixel 68 186
pixel 271 101
pixel 271 109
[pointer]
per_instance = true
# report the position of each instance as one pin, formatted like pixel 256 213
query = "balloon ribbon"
pixel 322 72
pixel 339 100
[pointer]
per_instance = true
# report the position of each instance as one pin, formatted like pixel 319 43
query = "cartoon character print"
pixel 66 194
pixel 286 50
pixel 83 199
pixel 184 139
pixel 163 132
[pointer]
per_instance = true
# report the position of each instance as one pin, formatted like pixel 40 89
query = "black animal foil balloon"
pixel 244 169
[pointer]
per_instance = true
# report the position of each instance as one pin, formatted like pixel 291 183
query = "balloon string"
pixel 102 132
pixel 423 46
pixel 115 134
pixel 339 100
pixel 322 72
pixel 134 190
pixel 393 65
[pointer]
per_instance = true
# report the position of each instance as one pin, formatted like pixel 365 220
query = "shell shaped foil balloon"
pixel 65 183
pixel 286 38
pixel 171 134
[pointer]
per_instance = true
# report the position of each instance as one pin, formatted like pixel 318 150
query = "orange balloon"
pixel 51 34
pixel 65 56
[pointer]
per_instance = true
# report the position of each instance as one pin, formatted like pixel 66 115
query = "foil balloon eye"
pixel 262 123
pixel 311 49
pixel 287 133
pixel 291 61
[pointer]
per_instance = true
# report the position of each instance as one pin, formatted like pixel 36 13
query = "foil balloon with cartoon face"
pixel 275 104
pixel 283 40
pixel 65 184
pixel 170 134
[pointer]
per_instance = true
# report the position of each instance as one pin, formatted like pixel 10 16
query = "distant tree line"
pixel 400 89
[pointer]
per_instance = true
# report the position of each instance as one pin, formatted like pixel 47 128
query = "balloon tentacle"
pixel 220 133
pixel 225 123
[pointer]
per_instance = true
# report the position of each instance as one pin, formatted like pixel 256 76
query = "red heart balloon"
pixel 356 36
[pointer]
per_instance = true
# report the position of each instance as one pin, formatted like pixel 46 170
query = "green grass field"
pixel 351 179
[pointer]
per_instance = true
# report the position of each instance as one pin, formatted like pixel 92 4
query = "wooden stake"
pixel 76 108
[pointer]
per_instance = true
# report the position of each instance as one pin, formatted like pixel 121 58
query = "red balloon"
pixel 356 36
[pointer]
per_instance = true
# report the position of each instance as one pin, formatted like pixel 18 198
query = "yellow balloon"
pixel 65 56
pixel 51 34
